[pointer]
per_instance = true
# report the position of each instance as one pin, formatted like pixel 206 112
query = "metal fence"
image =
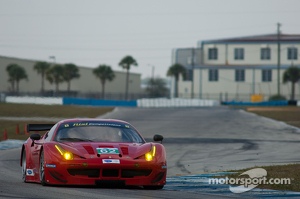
pixel 228 97
pixel 75 94
pixel 222 97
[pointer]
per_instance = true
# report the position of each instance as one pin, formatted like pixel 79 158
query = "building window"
pixel 189 75
pixel 239 53
pixel 240 75
pixel 212 53
pixel 265 53
pixel 266 75
pixel 213 75
pixel 292 53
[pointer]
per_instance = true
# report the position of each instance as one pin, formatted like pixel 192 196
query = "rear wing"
pixel 39 127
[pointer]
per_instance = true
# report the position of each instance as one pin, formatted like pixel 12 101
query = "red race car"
pixel 91 152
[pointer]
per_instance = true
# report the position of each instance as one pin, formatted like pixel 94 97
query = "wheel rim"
pixel 42 168
pixel 24 166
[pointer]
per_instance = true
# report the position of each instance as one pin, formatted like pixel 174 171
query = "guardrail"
pixel 155 102
pixel 34 100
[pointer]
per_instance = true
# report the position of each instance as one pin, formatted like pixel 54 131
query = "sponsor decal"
pixel 29 172
pixel 105 124
pixel 50 165
pixel 242 183
pixel 107 150
pixel 81 124
pixel 111 161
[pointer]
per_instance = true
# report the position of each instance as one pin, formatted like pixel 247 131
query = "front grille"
pixel 92 173
pixel 110 172
pixel 95 173
pixel 110 183
pixel 129 173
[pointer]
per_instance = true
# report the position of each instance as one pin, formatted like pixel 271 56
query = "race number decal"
pixel 107 150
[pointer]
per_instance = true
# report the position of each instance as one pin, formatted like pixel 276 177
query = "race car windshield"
pixel 91 132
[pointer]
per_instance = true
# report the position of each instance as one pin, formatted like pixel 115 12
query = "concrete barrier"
pixel 266 103
pixel 35 100
pixel 97 102
pixel 175 102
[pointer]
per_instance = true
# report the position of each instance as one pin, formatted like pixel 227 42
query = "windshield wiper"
pixel 76 139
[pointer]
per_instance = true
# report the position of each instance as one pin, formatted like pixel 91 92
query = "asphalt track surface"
pixel 197 140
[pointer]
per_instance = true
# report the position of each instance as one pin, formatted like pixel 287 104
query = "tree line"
pixel 59 73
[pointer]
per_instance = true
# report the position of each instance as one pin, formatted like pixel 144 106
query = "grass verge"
pixel 275 174
pixel 291 116
pixel 45 111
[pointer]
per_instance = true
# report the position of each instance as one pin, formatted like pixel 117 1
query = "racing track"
pixel 197 140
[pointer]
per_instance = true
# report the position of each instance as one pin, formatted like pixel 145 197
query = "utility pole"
pixel 278 58
pixel 193 66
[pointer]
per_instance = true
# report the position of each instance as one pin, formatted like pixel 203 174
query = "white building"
pixel 236 68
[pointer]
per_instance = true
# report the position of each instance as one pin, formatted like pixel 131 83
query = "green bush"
pixel 277 98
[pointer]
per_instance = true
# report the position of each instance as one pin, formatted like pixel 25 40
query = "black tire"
pixel 24 165
pixel 42 169
pixel 154 187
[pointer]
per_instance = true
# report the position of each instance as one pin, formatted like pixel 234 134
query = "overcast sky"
pixel 93 32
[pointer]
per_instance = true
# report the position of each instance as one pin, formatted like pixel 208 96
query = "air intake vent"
pixel 124 150
pixel 89 149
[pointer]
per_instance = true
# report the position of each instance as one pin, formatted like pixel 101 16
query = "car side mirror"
pixel 158 138
pixel 35 136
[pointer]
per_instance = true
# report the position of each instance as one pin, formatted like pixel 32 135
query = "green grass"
pixel 45 111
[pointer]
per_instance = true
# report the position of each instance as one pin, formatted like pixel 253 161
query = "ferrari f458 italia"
pixel 91 152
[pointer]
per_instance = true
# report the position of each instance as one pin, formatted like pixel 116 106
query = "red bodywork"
pixel 88 167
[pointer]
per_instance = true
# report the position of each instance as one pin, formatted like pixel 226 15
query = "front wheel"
pixel 24 165
pixel 154 187
pixel 42 169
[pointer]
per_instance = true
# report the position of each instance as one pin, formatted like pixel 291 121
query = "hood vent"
pixel 124 150
pixel 89 149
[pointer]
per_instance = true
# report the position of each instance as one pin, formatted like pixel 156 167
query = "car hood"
pixel 88 149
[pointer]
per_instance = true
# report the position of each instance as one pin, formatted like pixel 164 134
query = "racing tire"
pixel 42 169
pixel 24 165
pixel 154 187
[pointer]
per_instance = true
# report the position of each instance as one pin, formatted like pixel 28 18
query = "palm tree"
pixel 292 74
pixel 156 87
pixel 71 71
pixel 16 73
pixel 104 72
pixel 125 63
pixel 41 68
pixel 55 75
pixel 175 70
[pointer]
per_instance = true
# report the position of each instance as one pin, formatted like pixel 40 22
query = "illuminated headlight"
pixel 150 155
pixel 67 155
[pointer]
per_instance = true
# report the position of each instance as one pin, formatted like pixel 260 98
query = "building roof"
pixel 257 38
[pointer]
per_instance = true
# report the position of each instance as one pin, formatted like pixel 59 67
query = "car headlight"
pixel 67 155
pixel 150 155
